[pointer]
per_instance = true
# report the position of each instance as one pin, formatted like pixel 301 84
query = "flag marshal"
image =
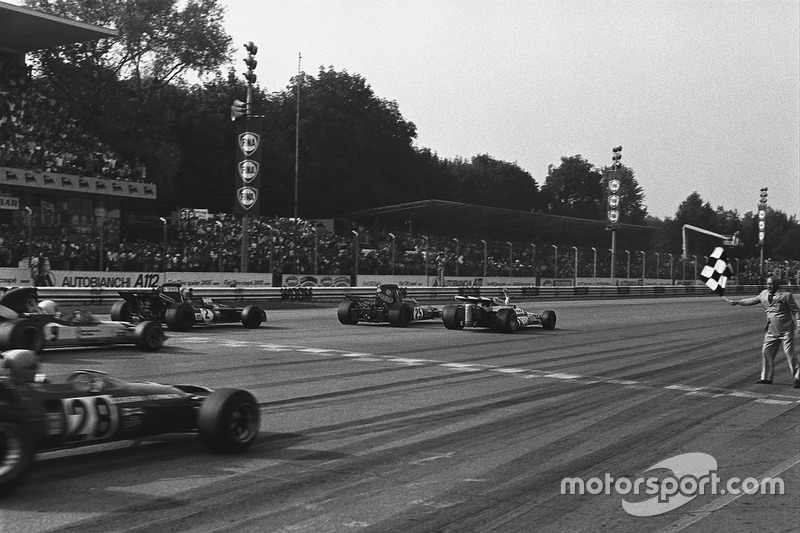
pixel 248 164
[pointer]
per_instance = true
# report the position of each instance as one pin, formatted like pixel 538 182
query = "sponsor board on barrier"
pixel 10 277
pixel 295 280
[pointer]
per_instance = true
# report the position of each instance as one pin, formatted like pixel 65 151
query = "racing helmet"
pixel 23 365
pixel 187 293
pixel 49 307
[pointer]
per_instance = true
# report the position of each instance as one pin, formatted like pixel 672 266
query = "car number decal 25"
pixel 89 418
pixel 418 313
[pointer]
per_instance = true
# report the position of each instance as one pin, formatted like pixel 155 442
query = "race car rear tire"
pixel 229 420
pixel 549 319
pixel 252 316
pixel 453 317
pixel 149 336
pixel 22 335
pixel 180 316
pixel 16 451
pixel 506 321
pixel 121 311
pixel 347 312
pixel 400 316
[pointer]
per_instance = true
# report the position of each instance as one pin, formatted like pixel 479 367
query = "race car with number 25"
pixel 502 315
pixel 389 305
pixel 90 407
pixel 178 308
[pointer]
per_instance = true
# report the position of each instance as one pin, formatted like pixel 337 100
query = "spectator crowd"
pixel 39 134
pixel 293 246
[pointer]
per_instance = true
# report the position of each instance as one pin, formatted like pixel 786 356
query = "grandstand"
pixel 52 173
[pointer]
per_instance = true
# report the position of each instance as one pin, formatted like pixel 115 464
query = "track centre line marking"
pixel 524 373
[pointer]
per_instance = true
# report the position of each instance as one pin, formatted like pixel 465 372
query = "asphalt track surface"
pixel 370 428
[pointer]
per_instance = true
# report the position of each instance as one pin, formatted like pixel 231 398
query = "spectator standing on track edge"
pixel 782 313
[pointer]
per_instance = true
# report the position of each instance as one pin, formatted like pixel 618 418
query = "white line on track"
pixel 525 373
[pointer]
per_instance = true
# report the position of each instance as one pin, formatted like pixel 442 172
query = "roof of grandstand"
pixel 25 30
pixel 453 217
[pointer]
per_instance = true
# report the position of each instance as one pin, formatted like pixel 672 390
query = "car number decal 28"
pixel 89 418
pixel 204 315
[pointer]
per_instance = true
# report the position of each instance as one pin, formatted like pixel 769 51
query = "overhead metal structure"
pixel 25 30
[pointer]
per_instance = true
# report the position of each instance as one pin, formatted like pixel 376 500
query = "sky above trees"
pixel 702 95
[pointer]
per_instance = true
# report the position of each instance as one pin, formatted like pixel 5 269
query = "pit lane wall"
pixel 81 287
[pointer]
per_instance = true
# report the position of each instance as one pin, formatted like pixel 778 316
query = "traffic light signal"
pixel 762 216
pixel 251 62
pixel 616 158
pixel 613 188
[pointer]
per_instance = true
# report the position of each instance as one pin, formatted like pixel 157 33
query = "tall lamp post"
pixel 613 199
pixel 164 222
pixel 456 255
pixel 249 144
pixel 391 235
pixel 30 238
pixel 658 265
pixel 555 261
pixel 355 257
pixel 643 265
pixel 485 259
pixel 671 271
pixel 628 271
pixel 510 259
pixel 425 258
pixel 576 265
pixel 219 240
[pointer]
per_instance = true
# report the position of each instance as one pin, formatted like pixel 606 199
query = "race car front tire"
pixel 549 319
pixel 22 335
pixel 252 316
pixel 180 316
pixel 453 316
pixel 149 336
pixel 229 420
pixel 506 321
pixel 347 312
pixel 400 315
pixel 16 451
pixel 121 311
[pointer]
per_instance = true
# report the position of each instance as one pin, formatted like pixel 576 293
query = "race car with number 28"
pixel 91 407
pixel 483 312
pixel 389 305
pixel 28 324
pixel 178 308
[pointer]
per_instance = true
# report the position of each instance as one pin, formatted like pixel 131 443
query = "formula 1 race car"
pixel 389 306
pixel 31 325
pixel 177 307
pixel 91 407
pixel 482 312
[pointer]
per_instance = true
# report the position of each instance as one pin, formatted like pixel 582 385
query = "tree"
pixel 573 189
pixel 115 86
pixel 487 181
pixel 355 148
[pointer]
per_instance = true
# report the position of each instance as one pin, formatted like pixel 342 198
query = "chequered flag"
pixel 715 273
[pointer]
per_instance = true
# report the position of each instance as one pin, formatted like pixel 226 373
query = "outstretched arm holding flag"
pixel 782 313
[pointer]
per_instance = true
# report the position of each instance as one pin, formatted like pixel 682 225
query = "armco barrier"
pixel 106 296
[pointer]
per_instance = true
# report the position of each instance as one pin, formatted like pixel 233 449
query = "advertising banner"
pixel 56 181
